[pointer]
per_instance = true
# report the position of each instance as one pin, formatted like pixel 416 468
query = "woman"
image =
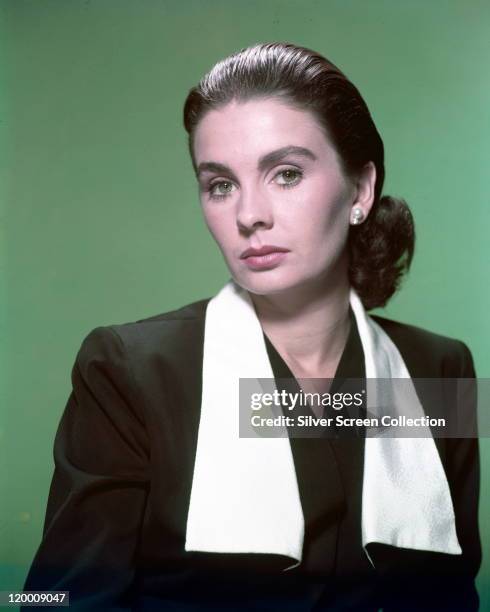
pixel 156 501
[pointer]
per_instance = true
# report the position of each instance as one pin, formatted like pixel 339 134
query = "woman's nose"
pixel 253 210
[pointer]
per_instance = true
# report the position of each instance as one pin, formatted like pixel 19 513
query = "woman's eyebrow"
pixel 266 160
pixel 279 154
pixel 215 167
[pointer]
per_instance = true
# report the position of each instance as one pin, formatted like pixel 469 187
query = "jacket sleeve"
pixel 463 469
pixel 100 483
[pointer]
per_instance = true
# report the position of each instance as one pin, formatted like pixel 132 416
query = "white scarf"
pixel 245 496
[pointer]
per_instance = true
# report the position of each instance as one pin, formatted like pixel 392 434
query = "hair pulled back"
pixel 381 248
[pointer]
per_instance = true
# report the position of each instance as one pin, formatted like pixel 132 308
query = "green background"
pixel 100 219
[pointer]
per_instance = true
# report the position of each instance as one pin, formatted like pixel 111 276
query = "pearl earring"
pixel 357 216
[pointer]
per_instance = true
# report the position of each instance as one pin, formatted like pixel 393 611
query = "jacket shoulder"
pixel 168 333
pixel 429 353
pixel 192 311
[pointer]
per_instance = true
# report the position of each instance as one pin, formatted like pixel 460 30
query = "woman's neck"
pixel 308 328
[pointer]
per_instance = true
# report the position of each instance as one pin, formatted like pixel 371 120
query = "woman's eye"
pixel 221 189
pixel 285 178
pixel 290 177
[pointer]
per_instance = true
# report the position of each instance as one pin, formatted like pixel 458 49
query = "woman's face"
pixel 273 194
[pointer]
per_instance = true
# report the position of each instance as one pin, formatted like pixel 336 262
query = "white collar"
pixel 245 496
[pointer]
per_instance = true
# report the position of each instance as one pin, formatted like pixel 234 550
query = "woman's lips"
pixel 265 261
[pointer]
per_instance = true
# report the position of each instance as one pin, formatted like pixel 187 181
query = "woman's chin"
pixel 265 283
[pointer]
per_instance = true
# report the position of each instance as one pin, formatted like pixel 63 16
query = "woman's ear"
pixel 364 190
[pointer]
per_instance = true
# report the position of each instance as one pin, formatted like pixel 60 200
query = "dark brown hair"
pixel 381 248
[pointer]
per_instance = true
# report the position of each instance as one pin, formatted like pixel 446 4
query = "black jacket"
pixel 124 454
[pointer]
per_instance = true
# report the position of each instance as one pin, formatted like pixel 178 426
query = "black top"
pixel 329 472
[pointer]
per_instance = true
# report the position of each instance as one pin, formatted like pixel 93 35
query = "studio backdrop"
pixel 101 222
